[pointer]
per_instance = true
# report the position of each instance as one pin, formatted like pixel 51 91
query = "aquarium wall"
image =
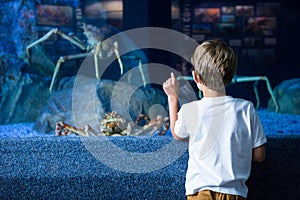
pixel 264 35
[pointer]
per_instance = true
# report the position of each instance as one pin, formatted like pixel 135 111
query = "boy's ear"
pixel 196 77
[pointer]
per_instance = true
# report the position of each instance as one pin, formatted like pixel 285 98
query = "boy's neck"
pixel 207 92
pixel 213 93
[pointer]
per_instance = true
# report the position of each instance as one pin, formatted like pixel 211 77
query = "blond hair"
pixel 214 63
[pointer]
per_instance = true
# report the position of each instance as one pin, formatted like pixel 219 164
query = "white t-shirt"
pixel 222 132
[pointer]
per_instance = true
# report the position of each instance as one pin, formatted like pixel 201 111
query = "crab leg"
pixel 96 53
pixel 60 61
pixel 56 31
pixel 42 39
pixel 116 50
pixel 142 73
pixel 63 129
pixel 139 66
pixel 73 40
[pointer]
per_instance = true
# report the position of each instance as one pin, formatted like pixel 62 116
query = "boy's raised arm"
pixel 171 87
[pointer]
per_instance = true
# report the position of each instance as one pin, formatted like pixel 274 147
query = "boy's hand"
pixel 171 87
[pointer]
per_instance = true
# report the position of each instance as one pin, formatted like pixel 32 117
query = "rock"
pixel 40 63
pixel 22 95
pixel 66 105
pixel 18 23
pixel 287 95
pixel 86 102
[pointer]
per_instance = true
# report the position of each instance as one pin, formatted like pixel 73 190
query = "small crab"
pixel 159 125
pixel 113 124
pixel 63 129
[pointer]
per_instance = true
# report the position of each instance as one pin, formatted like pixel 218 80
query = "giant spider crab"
pixel 97 43
pixel 113 124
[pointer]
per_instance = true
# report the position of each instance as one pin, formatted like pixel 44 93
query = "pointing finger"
pixel 172 75
pixel 173 79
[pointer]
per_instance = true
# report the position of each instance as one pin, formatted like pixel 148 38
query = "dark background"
pixel 19 28
pixel 285 66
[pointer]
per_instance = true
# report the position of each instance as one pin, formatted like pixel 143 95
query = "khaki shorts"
pixel 211 195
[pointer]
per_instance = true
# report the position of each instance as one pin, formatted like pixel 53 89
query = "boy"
pixel 224 133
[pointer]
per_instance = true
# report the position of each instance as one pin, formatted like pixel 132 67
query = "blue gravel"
pixel 273 123
pixel 63 168
pixel 43 166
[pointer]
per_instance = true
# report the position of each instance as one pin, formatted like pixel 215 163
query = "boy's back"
pixel 225 134
pixel 220 143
